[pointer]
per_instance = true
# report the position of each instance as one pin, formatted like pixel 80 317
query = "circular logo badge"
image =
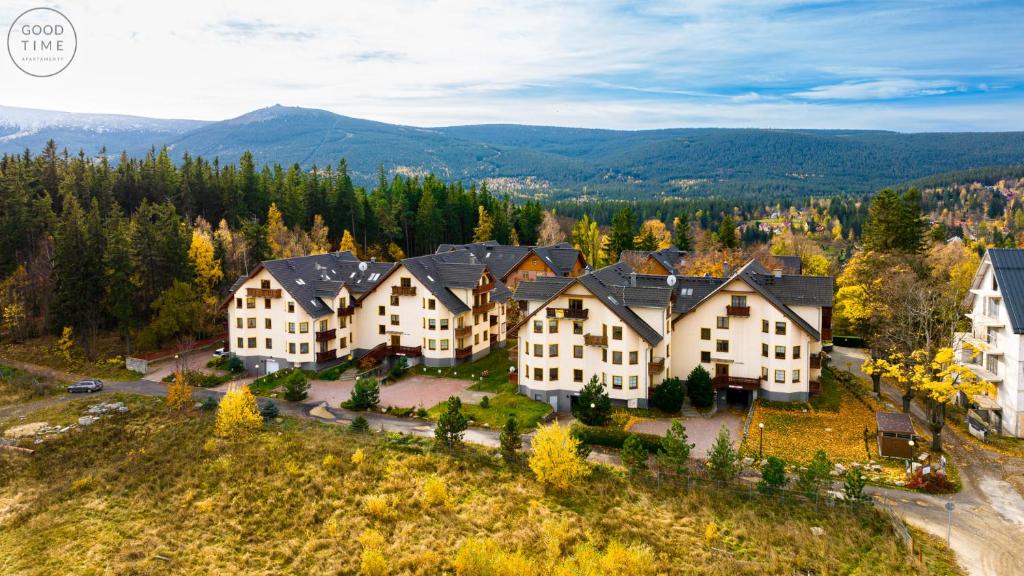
pixel 42 42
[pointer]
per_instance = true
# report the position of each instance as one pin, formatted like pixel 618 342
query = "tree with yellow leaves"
pixel 348 243
pixel 179 393
pixel 871 368
pixel 318 233
pixel 586 237
pixel 900 368
pixel 555 458
pixel 654 228
pixel 238 416
pixel 277 232
pixel 484 230
pixel 941 380
pixel 206 268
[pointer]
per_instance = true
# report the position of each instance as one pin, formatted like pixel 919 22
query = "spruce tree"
pixel 723 461
pixel 634 455
pixel 674 454
pixel 593 407
pixel 511 440
pixel 451 425
pixel 682 235
pixel 623 233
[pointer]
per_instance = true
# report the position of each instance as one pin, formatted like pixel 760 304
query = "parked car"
pixel 86 386
pixel 220 352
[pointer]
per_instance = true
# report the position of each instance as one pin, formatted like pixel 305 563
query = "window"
pixel 444 323
pixel 394 321
pixel 577 375
pixel 764 350
pixel 291 307
pixel 303 327
pixel 238 322
pixel 553 326
pixel 393 300
pixel 269 344
pixel 796 352
pixel 343 322
pixel 291 327
pixel 577 327
pixel 634 357
pixel 266 303
pixel 538 326
pixel 250 302
pixel 575 304
pixel 406 282
pixel 721 345
pixel 252 342
pixel 553 374
pixel 380 310
pixel 722 322
pixel 240 341
pixel 266 323
pixel 304 348
pixel 538 374
pixel 991 364
pixel 476 338
pixel 431 344
pixel 780 352
pixel 616 332
pixel 764 373
pixel 380 329
pixel 796 376
pixel 780 375
pixel 780 328
pixel 343 343
pixel 538 350
pixel 764 326
pixel 444 344
pixel 705 356
pixel 291 347
pixel 617 382
pixel 431 304
pixel 577 351
pixel 634 382
pixel 739 301
pixel 705 333
pixel 553 350
pixel 616 357
pixel 265 284
pixel 238 302
pixel 251 323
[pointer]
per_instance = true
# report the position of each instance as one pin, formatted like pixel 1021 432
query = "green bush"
pixel 296 386
pixel 234 364
pixel 400 412
pixel 359 425
pixel 698 384
pixel 613 438
pixel 668 396
pixel 365 395
pixel 268 408
pixel 593 407
pixel 511 441
pixel 773 476
pixel 451 425
pixel 399 369
pixel 816 476
pixel 723 460
pixel 209 404
pixel 634 455
pixel 485 402
pixel 335 372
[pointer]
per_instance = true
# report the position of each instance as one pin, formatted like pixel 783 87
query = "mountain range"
pixel 537 160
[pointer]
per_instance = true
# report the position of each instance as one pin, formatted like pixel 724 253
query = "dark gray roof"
pixel 560 257
pixel 237 284
pixel 1008 266
pixel 612 286
pixel 799 290
pixel 501 293
pixel 670 258
pixel 442 272
pixel 759 279
pixel 791 264
pixel 308 278
pixel 897 422
pixel 543 288
pixel 500 259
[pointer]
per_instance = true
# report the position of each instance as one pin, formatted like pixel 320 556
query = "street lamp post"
pixel 949 520
pixel 910 468
pixel 760 443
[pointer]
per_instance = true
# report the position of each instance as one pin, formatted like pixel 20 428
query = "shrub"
pixel 853 485
pixel 358 456
pixel 179 393
pixel 932 483
pixel 372 561
pixel 234 364
pixel 209 403
pixel 612 437
pixel 485 402
pixel 451 425
pixel 593 407
pixel 773 475
pixel 555 460
pixel 296 385
pixel 511 440
pixel 816 475
pixel 483 557
pixel 378 506
pixel 238 416
pixel 723 461
pixel 668 396
pixel 674 454
pixel 634 455
pixel 268 408
pixel 359 424
pixel 365 395
pixel 399 369
pixel 698 384
pixel 435 492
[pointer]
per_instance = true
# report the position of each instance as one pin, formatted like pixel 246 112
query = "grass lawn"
pixel 17 386
pixel 149 492
pixel 495 364
pixel 528 413
pixel 109 364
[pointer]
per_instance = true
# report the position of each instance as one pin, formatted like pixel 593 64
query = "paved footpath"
pixel 988 518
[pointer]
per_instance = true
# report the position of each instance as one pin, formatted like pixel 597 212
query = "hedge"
pixel 612 437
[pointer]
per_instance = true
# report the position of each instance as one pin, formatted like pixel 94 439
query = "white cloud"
pixel 881 89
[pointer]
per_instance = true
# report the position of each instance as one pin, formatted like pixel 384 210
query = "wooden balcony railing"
pixel 403 290
pixel 483 308
pixel 411 351
pixel 483 288
pixel 463 332
pixel 815 361
pixel 720 382
pixel 326 356
pixel 346 310
pixel 325 335
pixel 743 311
pixel 263 292
pixel 464 352
pixel 595 340
pixel 572 313
pixel 655 366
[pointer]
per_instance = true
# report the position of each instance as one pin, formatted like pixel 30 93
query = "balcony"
pixel 595 340
pixel 403 290
pixel 736 382
pixel 655 366
pixel 326 356
pixel 743 311
pixel 463 352
pixel 483 308
pixel 481 289
pixel 411 351
pixel 346 310
pixel 263 292
pixel 570 313
pixel 815 362
pixel 325 335
pixel 463 332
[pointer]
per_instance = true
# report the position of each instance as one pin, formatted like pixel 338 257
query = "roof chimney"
pixel 725 269
pixel 373 259
pixel 632 279
pixel 778 272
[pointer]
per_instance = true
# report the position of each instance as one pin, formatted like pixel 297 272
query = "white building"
pixel 758 333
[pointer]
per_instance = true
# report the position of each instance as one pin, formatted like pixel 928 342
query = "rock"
pixel 87 420
pixel 321 412
pixel 25 430
pixel 38 441
pixel 6 441
pixel 817 530
pixel 748 461
pixel 840 469
pixel 105 408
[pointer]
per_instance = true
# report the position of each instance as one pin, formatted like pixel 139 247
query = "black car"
pixel 86 386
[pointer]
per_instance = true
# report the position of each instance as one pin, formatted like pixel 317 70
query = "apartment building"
pixel 994 347
pixel 315 311
pixel 758 333
pixel 513 264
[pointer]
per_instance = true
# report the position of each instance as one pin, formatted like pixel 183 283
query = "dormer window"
pixel 265 284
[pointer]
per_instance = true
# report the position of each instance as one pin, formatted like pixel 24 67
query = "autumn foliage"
pixel 179 393
pixel 555 459
pixel 238 415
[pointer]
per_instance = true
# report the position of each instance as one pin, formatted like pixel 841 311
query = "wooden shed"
pixel 895 431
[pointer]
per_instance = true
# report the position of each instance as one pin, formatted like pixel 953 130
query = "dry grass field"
pixel 149 492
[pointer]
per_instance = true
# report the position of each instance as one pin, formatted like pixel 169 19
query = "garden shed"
pixel 895 433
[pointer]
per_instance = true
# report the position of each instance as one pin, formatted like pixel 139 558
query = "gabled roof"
pixel 669 258
pixel 501 260
pixel 791 264
pixel 542 288
pixel 308 279
pixel 561 258
pixel 1008 267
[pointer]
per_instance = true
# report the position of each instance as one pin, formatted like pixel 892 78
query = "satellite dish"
pixel 671 280
pixel 363 266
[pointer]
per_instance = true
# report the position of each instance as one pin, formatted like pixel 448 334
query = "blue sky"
pixel 898 65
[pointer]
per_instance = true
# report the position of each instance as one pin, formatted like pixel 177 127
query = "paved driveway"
pixel 701 431
pixel 411 392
